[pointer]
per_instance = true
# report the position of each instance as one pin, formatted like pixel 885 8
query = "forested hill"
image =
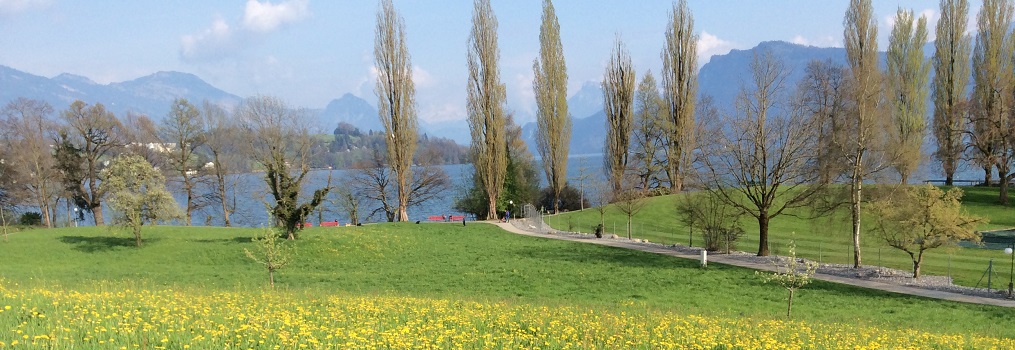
pixel 351 145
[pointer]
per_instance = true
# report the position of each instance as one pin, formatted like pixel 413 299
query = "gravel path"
pixel 875 277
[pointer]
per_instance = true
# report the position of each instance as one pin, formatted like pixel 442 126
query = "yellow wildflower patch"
pixel 174 319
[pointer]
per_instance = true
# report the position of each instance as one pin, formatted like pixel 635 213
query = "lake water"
pixel 252 198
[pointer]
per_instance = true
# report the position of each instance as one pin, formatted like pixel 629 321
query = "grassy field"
pixel 827 239
pixel 401 272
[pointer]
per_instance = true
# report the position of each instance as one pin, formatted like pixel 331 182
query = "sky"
pixel 310 52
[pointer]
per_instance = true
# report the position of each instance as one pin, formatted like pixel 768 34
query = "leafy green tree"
pixel 795 274
pixel 271 252
pixel 919 218
pixel 137 193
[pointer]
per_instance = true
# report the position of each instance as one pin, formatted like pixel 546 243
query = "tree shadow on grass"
pixel 226 240
pixel 102 243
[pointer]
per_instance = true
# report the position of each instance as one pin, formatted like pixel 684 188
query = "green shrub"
pixel 30 219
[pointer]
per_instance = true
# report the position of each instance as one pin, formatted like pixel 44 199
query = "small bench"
pixel 435 218
pixel 330 223
pixel 457 218
pixel 307 224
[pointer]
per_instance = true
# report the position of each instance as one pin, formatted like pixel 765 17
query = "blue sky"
pixel 310 52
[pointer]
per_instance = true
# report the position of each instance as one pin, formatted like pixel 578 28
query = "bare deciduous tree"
pixel 680 86
pixel 282 146
pixel 761 158
pixel 951 77
pixel 396 94
pixel 96 135
pixel 618 102
pixel 225 144
pixel 29 131
pixel 824 93
pixel 907 91
pixel 372 181
pixel 553 137
pixel 990 118
pixel 486 105
pixel 183 128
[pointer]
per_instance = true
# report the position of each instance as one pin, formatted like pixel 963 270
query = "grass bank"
pixel 477 263
pixel 826 239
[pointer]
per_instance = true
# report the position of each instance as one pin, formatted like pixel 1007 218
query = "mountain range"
pixel 720 78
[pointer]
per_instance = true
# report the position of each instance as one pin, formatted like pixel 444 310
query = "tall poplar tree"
pixel 396 95
pixel 992 92
pixel 618 103
pixel 861 33
pixel 907 90
pixel 951 76
pixel 680 89
pixel 550 86
pixel 486 105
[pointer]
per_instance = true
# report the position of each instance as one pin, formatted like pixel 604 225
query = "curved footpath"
pixel 720 259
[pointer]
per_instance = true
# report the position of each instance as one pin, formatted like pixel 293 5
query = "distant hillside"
pixel 720 78
pixel 150 95
pixel 352 145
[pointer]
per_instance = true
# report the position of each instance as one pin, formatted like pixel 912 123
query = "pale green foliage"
pixel 272 252
pixel 618 103
pixel 792 275
pixel 680 90
pixel 951 77
pixel 919 218
pixel 991 136
pixel 487 119
pixel 553 137
pixel 137 194
pixel 647 161
pixel 907 90
pixel 863 127
pixel 396 99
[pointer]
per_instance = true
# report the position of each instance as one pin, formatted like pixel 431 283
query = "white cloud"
pixel 266 17
pixel 13 7
pixel 436 113
pixel 826 41
pixel 421 78
pixel 709 45
pixel 216 41
pixel 223 39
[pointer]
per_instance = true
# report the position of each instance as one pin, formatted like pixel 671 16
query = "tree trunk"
pixel 917 262
pixel 46 218
pixel 190 200
pixel 1003 197
pixel 3 220
pixel 97 214
pixel 629 227
pixel 855 216
pixel 904 177
pixel 225 206
pixel 789 305
pixel 950 179
pixel 137 236
pixel 491 214
pixel 271 278
pixel 763 220
pixel 987 174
